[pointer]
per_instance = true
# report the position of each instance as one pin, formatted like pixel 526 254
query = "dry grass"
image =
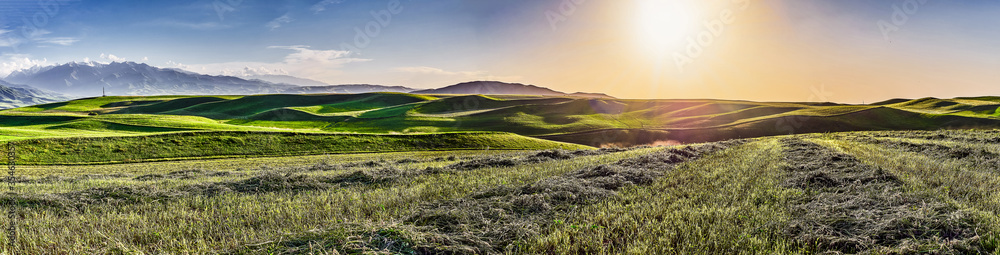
pixel 866 193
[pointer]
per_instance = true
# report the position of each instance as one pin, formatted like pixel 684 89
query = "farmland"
pixel 393 173
pixel 876 192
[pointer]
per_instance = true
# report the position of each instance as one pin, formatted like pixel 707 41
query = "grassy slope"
pixel 747 199
pixel 587 121
pixel 190 145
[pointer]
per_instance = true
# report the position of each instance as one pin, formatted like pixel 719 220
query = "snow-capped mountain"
pixel 12 96
pixel 130 78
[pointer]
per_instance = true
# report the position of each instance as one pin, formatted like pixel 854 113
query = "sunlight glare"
pixel 663 25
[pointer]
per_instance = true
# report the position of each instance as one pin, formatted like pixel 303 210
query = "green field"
pixel 592 122
pixel 227 144
pixel 886 192
pixel 391 173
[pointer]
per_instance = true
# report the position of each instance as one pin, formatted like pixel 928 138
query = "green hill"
pixel 570 119
pixel 226 144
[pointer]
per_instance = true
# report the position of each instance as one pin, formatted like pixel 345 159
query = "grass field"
pixel 592 122
pixel 197 145
pixel 882 192
pixel 393 173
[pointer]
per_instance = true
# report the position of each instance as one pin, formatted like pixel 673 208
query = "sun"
pixel 662 26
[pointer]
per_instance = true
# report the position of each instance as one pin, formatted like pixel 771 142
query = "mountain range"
pixel 12 95
pixel 89 79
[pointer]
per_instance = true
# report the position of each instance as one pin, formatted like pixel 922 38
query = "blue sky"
pixel 794 50
pixel 216 36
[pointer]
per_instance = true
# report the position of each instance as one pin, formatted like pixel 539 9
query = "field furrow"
pixel 854 207
pixel 731 202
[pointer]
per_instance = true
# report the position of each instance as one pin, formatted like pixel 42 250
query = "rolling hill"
pixel 587 121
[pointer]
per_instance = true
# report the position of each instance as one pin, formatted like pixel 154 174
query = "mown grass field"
pixel 884 192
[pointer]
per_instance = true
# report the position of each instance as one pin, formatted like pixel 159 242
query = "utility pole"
pixel 104 93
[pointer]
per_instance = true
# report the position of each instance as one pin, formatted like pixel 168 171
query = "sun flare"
pixel 662 25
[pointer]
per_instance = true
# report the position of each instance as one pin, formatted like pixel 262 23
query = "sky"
pixel 853 51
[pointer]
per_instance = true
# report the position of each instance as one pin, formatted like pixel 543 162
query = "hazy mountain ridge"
pixel 130 78
pixel 286 79
pixel 12 96
pixel 309 86
pixel 138 79
pixel 503 88
pixel 491 87
pixel 350 89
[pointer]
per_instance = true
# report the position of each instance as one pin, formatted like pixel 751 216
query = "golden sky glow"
pixel 749 50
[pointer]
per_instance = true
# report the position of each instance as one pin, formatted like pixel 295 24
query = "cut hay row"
pixel 499 220
pixel 851 207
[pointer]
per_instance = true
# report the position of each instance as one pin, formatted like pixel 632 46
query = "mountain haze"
pixel 492 88
pixel 139 79
pixel 12 96
pixel 286 79
pixel 130 78
pixel 349 89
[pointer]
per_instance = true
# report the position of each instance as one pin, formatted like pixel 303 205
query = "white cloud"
pixel 14 62
pixel 9 39
pixel 304 62
pixel 321 6
pixel 277 23
pixel 112 57
pixel 38 33
pixel 185 25
pixel 145 59
pixel 6 41
pixel 63 41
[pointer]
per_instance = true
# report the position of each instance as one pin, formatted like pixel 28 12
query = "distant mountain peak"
pixel 492 88
pixel 503 88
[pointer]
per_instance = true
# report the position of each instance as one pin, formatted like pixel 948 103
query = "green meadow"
pixel 393 173
pixel 885 192
pixel 592 122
